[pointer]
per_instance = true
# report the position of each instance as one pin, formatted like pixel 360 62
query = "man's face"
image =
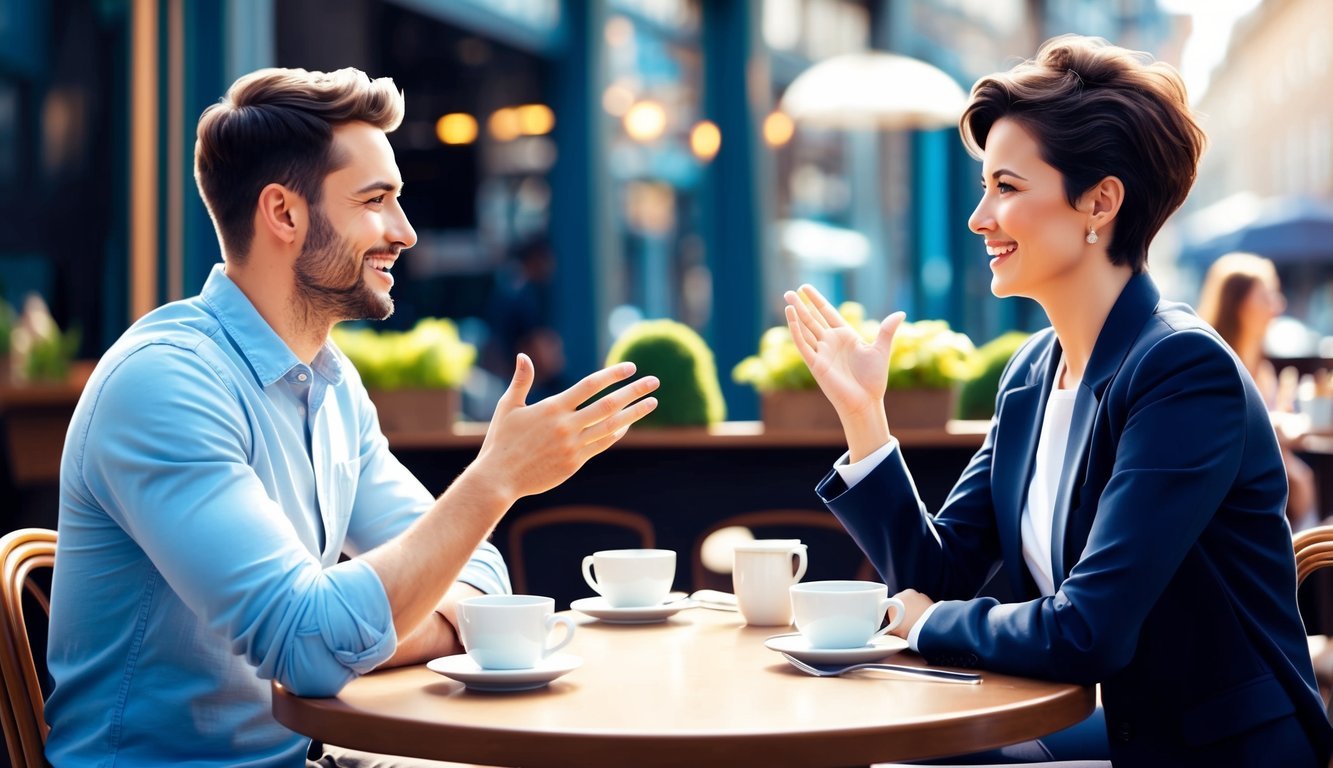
pixel 356 232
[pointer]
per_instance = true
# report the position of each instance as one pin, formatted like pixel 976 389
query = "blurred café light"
pixel 705 140
pixel 874 90
pixel 504 124
pixel 778 129
pixel 456 128
pixel 535 119
pixel 617 99
pixel 619 31
pixel 645 121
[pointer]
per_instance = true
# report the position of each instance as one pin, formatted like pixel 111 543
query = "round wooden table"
pixel 699 689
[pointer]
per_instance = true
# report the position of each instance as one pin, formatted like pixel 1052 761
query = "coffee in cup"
pixel 843 614
pixel 510 631
pixel 631 578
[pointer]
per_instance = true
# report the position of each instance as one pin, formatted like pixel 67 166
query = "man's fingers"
pixel 609 405
pixel 822 305
pixel 593 383
pixel 619 422
pixel 516 396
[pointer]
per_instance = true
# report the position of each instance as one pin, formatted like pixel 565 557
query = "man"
pixel 224 454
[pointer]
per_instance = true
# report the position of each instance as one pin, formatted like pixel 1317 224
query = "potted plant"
pixel 40 352
pixel 976 397
pixel 926 364
pixel 689 394
pixel 413 377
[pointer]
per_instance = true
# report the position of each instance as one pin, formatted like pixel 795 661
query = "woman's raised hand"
pixel 851 372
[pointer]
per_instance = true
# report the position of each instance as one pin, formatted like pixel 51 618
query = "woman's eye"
pixel 1003 187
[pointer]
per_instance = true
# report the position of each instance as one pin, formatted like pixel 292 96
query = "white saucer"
pixel 798 646
pixel 598 608
pixel 462 668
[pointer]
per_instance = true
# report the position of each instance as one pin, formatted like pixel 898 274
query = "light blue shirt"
pixel 209 482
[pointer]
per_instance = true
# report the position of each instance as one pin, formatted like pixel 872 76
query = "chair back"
pixel 1314 550
pixel 22 554
pixel 832 554
pixel 545 548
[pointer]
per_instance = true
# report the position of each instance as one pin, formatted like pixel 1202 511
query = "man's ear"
pixel 1103 201
pixel 280 213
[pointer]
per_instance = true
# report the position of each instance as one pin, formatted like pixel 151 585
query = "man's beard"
pixel 331 280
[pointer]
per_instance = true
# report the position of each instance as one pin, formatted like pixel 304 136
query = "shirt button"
pixel 301 377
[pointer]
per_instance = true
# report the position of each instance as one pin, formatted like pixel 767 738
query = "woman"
pixel 1241 296
pixel 1130 483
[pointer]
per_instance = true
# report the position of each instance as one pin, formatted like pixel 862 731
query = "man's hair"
pixel 276 126
pixel 1097 110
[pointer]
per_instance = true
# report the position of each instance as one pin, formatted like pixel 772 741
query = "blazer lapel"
pixel 1019 423
pixel 1136 305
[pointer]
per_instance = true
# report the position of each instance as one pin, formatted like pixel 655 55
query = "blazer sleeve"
pixel 1180 439
pixel 947 556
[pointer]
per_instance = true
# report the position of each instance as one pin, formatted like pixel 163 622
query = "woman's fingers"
pixel 813 325
pixel 805 343
pixel 826 310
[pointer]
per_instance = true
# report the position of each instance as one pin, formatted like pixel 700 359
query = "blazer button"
pixel 1123 731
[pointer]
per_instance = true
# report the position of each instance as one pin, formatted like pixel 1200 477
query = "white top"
pixel 1038 513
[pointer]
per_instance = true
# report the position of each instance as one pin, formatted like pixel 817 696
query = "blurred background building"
pixel 635 144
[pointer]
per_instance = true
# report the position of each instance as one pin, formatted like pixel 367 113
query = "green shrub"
pixel 926 354
pixel 976 399
pixel 430 356
pixel 689 394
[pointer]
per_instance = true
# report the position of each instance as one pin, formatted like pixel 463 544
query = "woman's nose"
pixel 981 220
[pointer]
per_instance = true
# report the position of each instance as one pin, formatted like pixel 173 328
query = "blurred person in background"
pixel 520 318
pixel 1130 487
pixel 1240 298
pixel 224 456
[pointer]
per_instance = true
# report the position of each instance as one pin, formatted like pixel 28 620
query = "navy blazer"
pixel 1174 574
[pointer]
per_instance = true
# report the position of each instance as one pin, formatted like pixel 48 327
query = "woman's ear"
pixel 1103 201
pixel 279 213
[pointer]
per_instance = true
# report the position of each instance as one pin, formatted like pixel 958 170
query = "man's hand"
pixel 916 604
pixel 533 448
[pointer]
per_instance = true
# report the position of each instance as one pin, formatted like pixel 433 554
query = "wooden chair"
pixel 832 552
pixel 1314 550
pixel 22 554
pixel 545 549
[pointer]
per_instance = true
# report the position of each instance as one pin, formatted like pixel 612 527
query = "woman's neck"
pixel 1078 310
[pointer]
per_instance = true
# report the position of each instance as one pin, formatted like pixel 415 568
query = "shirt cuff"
pixel 853 473
pixel 915 634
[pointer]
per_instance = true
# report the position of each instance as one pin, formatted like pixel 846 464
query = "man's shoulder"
pixel 168 343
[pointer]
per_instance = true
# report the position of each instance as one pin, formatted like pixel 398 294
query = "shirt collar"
pixel 268 355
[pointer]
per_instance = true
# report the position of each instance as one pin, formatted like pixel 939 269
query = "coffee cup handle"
pixel 564 621
pixel 884 606
pixel 587 574
pixel 801 562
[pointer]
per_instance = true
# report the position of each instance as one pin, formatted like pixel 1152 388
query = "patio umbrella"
pixel 1287 230
pixel 873 89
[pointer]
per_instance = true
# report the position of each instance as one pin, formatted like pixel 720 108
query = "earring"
pixel 1092 236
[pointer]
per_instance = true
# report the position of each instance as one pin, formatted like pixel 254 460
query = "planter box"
pixel 809 409
pixel 416 410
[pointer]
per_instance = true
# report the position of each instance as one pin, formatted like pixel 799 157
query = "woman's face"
pixel 1264 302
pixel 1035 239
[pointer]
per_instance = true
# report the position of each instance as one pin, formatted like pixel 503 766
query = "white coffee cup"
pixel 761 574
pixel 631 578
pixel 510 631
pixel 843 614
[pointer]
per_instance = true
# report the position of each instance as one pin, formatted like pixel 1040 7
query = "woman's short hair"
pixel 276 126
pixel 1229 281
pixel 1097 110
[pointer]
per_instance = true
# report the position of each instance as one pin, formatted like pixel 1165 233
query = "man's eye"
pixel 376 200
